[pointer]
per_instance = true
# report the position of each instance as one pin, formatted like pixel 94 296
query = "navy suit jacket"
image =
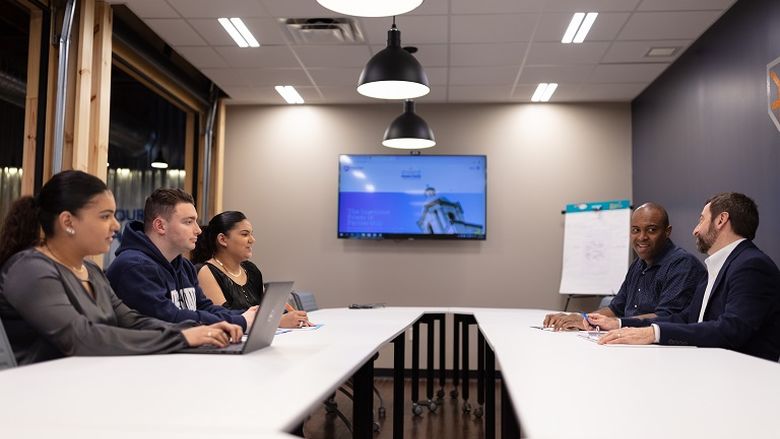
pixel 742 314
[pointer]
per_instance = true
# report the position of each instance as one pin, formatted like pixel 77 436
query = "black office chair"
pixel 7 359
pixel 305 301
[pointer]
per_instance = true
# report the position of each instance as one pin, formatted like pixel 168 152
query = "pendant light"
pixel 393 73
pixel 370 8
pixel 159 161
pixel 409 131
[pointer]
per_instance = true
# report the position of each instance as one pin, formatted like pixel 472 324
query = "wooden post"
pixel 217 168
pixel 101 91
pixel 31 102
pixel 83 94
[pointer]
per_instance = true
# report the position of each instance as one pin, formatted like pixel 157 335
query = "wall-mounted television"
pixel 412 197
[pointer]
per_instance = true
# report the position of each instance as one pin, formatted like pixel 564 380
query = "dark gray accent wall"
pixel 703 127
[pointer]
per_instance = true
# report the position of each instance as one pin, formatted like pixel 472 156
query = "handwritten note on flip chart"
pixel 595 248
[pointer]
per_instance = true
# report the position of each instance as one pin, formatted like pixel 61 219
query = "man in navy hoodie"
pixel 150 274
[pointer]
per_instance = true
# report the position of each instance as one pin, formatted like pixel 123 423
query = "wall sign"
pixel 773 91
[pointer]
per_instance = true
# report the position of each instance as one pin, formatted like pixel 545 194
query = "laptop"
pixel 263 328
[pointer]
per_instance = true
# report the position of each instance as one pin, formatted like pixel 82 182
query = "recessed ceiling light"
pixel 289 93
pixel 579 26
pixel 370 8
pixel 544 92
pixel 661 51
pixel 237 30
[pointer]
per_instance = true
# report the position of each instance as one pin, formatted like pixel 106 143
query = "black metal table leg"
pixel 442 356
pixel 363 402
pixel 490 393
pixel 429 376
pixel 455 355
pixel 510 428
pixel 399 359
pixel 416 409
pixel 480 374
pixel 464 385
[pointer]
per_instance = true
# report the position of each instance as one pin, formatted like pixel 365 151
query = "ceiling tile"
pixel 610 92
pixel 503 54
pixel 297 9
pixel 437 76
pixel 333 56
pixel 259 57
pixel 415 29
pixel 618 73
pixel 504 75
pixel 336 77
pixel 523 92
pixel 345 94
pixel 266 30
pixel 496 6
pixel 668 25
pixel 258 77
pixel 492 28
pixel 151 9
pixel 215 9
pixel 590 5
pixel 565 54
pixel 201 57
pixel 606 27
pixel 479 93
pixel 635 51
pixel 175 32
pixel 560 74
pixel 685 5
pixel 431 7
pixel 429 55
pixel 437 94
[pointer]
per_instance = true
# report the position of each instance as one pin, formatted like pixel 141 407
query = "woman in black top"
pixel 225 273
pixel 55 302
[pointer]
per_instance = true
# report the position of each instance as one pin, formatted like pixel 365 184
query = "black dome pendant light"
pixel 409 131
pixel 393 73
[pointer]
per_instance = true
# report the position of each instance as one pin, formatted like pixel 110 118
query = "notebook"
pixel 263 328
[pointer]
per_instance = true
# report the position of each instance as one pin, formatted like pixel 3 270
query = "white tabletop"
pixel 269 390
pixel 564 386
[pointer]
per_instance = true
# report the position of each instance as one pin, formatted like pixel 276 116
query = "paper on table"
pixel 308 328
pixel 593 336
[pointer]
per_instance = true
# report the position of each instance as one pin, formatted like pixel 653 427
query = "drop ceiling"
pixel 472 50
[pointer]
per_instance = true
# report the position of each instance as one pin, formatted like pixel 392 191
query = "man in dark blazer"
pixel 737 307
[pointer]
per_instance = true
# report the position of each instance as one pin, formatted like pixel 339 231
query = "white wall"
pixel 281 169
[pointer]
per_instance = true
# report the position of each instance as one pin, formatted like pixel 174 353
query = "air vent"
pixel 656 52
pixel 340 30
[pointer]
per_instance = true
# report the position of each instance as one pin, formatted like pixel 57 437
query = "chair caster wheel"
pixel 432 406
pixel 376 427
pixel 416 409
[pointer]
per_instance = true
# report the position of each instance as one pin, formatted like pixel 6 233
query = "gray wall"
pixel 703 126
pixel 281 170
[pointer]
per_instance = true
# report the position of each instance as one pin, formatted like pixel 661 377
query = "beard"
pixel 704 242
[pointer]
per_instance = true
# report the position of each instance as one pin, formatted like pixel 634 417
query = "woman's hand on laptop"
pixel 218 334
pixel 294 319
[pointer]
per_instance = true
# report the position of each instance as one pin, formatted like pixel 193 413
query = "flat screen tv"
pixel 412 197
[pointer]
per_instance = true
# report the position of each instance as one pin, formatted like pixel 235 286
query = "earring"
pixel 70 231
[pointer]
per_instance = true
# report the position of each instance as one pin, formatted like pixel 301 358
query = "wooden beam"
pixel 189 153
pixel 136 66
pixel 218 164
pixel 83 94
pixel 101 91
pixel 31 102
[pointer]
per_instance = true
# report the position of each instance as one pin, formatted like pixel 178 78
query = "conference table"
pixel 560 385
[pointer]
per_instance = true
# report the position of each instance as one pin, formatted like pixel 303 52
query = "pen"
pixel 290 308
pixel 585 316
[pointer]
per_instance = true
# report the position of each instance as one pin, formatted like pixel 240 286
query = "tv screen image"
pixel 412 197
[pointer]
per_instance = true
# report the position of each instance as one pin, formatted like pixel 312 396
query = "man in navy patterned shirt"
pixel 660 282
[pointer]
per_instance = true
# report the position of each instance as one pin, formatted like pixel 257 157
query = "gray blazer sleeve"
pixel 35 287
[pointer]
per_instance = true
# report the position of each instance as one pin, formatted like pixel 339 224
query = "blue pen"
pixel 585 316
